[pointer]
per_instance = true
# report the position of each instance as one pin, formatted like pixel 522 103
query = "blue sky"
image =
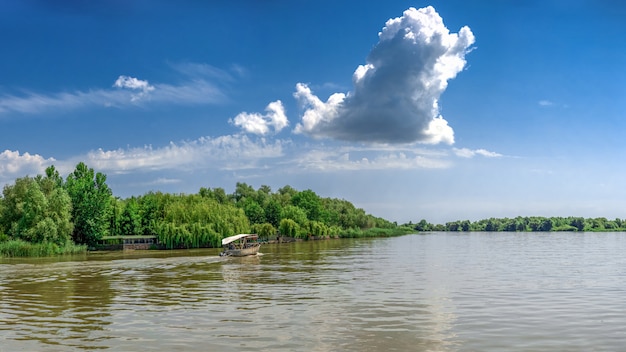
pixel 460 110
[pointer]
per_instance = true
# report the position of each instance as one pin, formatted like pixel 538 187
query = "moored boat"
pixel 240 245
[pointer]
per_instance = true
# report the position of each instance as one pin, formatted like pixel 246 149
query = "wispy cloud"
pixel 329 160
pixel 470 153
pixel 198 70
pixel 230 152
pixel 125 91
pixel 161 181
pixel 241 153
pixel 552 104
pixel 546 103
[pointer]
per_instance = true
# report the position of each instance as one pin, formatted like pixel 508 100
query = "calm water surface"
pixel 434 292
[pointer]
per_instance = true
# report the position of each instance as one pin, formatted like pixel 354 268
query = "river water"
pixel 430 292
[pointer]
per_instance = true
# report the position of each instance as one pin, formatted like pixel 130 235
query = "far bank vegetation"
pixel 526 224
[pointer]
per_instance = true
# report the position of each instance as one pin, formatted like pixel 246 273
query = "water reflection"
pixel 59 304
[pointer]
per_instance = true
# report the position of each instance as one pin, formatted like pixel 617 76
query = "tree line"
pixel 526 224
pixel 80 211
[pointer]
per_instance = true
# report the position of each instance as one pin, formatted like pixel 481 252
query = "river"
pixel 428 292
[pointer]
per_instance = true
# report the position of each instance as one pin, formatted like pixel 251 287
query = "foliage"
pixel 194 235
pixel 130 222
pixel 309 202
pixel 192 221
pixel 265 231
pixel 289 228
pixel 254 212
pixel 36 210
pixel 90 197
pixel 297 214
pixel 528 224
pixel 273 211
pixel 317 229
pixel 375 232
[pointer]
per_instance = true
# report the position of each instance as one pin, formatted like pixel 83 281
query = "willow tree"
pixel 195 221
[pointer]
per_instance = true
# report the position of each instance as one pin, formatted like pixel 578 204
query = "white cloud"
pixel 381 157
pixel 546 103
pixel 225 153
pixel 126 91
pixel 438 131
pixel 201 70
pixel 260 124
pixel 13 164
pixel 198 91
pixel 396 93
pixel 162 181
pixel 134 84
pixel 239 152
pixel 469 153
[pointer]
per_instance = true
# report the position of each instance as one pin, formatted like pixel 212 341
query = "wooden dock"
pixel 129 242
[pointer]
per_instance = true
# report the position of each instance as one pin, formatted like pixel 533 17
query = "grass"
pixel 19 248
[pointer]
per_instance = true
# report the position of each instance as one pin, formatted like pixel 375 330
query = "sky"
pixel 438 110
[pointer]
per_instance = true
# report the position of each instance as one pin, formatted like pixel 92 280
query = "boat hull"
pixel 241 252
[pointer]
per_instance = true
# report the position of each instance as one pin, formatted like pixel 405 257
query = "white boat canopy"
pixel 230 239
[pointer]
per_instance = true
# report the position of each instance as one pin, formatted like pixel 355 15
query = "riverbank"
pixel 19 248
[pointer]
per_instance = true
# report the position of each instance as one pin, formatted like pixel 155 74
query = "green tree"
pixel 289 228
pixel 191 221
pixel 90 197
pixel 114 217
pixel 31 215
pixel 273 210
pixel 284 194
pixel 423 225
pixel 318 229
pixel 254 212
pixel 243 191
pixel 130 219
pixel 294 213
pixel 151 207
pixel 60 213
pixel 216 193
pixel 264 231
pixel 309 201
pixel 263 194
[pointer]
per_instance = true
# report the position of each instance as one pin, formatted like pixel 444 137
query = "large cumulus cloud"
pixel 396 93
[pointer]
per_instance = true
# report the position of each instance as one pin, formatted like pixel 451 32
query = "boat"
pixel 240 245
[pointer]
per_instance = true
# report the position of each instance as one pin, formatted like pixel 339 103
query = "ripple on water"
pixel 444 292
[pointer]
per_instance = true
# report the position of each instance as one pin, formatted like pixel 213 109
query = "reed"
pixel 19 248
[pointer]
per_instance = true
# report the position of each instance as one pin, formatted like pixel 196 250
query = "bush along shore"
pixel 47 215
pixel 526 224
